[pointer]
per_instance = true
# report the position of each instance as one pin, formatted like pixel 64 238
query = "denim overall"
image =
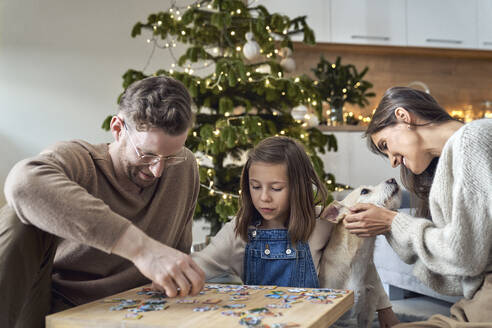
pixel 270 259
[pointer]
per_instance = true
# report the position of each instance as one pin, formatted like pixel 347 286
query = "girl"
pixel 447 165
pixel 276 238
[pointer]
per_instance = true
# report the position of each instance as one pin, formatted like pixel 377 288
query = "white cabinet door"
pixel 442 23
pixel 317 12
pixel 380 22
pixel 485 24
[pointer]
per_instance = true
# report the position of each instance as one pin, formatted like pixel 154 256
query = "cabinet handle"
pixel 370 37
pixel 487 43
pixel 444 41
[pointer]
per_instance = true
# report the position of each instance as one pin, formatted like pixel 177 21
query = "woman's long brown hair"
pixel 426 108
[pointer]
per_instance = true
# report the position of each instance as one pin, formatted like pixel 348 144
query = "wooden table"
pixel 292 307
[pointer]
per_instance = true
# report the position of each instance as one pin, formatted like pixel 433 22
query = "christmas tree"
pixel 246 98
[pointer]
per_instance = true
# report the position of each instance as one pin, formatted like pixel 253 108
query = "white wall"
pixel 61 64
pixel 354 164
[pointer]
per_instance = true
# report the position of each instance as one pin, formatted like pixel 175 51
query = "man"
pixel 86 221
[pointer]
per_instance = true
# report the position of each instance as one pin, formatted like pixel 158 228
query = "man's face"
pixel 154 142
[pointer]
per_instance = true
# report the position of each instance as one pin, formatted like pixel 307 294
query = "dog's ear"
pixel 335 212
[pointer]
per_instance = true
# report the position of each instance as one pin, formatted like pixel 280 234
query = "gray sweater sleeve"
pixel 452 251
pixel 225 253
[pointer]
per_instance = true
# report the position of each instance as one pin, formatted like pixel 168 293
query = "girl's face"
pixel 403 146
pixel 269 189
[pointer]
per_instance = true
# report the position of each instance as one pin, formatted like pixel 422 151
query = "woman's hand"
pixel 387 318
pixel 368 220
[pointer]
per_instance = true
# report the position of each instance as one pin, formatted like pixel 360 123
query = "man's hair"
pixel 157 101
pixel 303 184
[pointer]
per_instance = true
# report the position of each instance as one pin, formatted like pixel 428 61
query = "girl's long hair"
pixel 305 188
pixel 426 108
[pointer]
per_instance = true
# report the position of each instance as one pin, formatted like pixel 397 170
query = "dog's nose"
pixel 391 181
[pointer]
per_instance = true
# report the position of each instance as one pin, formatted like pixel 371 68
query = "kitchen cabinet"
pixel 317 12
pixel 485 24
pixel 378 22
pixel 442 23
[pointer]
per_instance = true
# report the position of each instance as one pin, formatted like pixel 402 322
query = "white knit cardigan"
pixel 452 253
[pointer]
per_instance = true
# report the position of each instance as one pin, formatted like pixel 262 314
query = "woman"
pixel 447 166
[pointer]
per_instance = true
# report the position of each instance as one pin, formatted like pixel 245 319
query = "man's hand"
pixel 368 220
pixel 168 268
pixel 387 318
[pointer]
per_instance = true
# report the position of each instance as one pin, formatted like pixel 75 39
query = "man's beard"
pixel 138 176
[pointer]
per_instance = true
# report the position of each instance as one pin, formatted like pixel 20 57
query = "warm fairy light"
pixel 259 123
pixel 194 133
pixel 314 103
pixel 238 11
pixel 227 114
pixel 282 132
pixel 297 79
pixel 283 93
pixel 333 66
pixel 238 48
pixel 233 33
pixel 216 132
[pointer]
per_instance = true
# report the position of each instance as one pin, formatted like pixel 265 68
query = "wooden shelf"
pixel 342 128
pixel 396 50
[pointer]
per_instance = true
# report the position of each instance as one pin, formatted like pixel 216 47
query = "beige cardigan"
pixel 225 253
pixel 71 191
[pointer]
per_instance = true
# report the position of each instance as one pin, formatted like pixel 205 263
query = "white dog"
pixel 348 257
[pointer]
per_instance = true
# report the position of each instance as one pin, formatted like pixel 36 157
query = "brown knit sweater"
pixel 71 191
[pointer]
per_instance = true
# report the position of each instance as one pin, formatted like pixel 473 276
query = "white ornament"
pixel 313 120
pixel 299 112
pixel 251 49
pixel 265 69
pixel 287 63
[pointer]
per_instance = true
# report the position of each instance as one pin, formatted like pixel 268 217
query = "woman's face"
pixel 403 146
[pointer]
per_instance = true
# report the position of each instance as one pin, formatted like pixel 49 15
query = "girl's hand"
pixel 387 318
pixel 368 220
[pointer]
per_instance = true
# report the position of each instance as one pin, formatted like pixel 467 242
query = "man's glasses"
pixel 154 159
